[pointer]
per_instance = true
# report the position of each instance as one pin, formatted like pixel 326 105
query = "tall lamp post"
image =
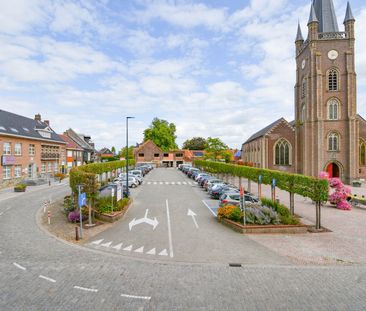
pixel 128 191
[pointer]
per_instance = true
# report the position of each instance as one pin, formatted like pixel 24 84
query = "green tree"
pixel 162 133
pixel 113 149
pixel 196 143
pixel 122 153
pixel 216 149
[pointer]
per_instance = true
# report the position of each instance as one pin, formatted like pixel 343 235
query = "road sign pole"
pixel 80 215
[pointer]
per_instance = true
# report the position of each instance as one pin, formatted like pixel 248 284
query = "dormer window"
pixel 44 132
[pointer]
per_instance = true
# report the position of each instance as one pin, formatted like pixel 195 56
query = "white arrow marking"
pixel 118 247
pixel 97 242
pixel 139 250
pixel 106 244
pixel 193 215
pixel 151 252
pixel 153 222
pixel 128 248
pixel 163 252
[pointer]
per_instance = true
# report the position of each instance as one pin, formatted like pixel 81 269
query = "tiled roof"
pixel 16 125
pixel 263 131
pixel 70 143
pixel 77 139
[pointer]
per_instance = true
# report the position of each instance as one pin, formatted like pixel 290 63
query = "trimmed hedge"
pixel 306 186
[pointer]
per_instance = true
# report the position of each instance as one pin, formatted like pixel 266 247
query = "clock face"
pixel 332 54
pixel 303 64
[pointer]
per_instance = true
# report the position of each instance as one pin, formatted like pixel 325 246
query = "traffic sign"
pixel 273 183
pixel 260 179
pixel 82 199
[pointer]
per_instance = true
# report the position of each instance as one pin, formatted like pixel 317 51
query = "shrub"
pixel 20 186
pixel 231 212
pixel 69 204
pixel 261 215
pixel 104 204
pixel 282 210
pixel 60 176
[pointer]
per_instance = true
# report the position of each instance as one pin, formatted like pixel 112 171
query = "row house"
pixel 74 153
pixel 29 148
pixel 85 143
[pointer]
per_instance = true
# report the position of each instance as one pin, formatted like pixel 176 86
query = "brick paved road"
pixel 38 272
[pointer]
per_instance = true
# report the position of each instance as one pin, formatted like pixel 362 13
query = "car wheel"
pixel 133 186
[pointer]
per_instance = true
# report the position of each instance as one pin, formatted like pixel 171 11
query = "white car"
pixel 132 181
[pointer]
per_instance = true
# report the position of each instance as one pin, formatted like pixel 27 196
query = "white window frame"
pixel 6 172
pixel 17 171
pixel 6 148
pixel 17 149
pixel 32 149
pixel 43 167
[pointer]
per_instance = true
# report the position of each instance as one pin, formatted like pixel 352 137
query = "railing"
pixel 332 35
pixel 49 156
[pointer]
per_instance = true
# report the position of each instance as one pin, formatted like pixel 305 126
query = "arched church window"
pixel 282 152
pixel 333 109
pixel 362 152
pixel 303 113
pixel 333 80
pixel 333 142
pixel 303 88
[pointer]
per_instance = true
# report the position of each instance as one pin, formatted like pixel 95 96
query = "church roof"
pixel 349 15
pixel 264 131
pixel 325 13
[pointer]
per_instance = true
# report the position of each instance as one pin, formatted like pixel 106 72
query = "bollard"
pixel 76 233
pixel 49 217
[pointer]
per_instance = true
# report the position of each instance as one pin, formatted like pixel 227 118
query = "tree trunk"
pixel 292 203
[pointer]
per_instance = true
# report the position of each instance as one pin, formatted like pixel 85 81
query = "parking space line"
pixel 171 254
pixel 213 213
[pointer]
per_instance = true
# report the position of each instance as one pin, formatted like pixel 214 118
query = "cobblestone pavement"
pixel 39 272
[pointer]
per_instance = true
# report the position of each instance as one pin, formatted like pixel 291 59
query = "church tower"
pixel 325 95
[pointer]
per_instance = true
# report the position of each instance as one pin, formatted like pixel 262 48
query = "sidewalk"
pixel 345 244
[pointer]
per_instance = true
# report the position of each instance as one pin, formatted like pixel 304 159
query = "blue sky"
pixel 214 68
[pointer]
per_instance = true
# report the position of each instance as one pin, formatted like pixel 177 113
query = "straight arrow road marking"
pixel 193 215
pixel 163 252
pixel 139 250
pixel 128 248
pixel 118 247
pixel 107 244
pixel 151 252
pixel 97 242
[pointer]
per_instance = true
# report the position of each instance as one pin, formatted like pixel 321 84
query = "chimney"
pixel 37 117
pixel 47 122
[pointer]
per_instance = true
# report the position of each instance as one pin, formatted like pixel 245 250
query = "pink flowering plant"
pixel 340 194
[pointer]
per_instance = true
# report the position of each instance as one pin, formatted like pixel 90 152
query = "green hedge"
pixel 86 174
pixel 313 188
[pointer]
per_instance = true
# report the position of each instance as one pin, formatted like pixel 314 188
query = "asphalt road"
pixel 38 272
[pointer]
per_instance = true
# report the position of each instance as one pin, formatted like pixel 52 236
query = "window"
pixel 333 80
pixel 18 149
pixel 18 171
pixel 156 155
pixel 303 88
pixel 25 129
pixel 6 172
pixel 362 152
pixel 166 155
pixel 141 154
pixel 14 130
pixel 69 153
pixel 333 109
pixel 282 152
pixel 7 148
pixel 303 113
pixel 179 155
pixel 32 149
pixel 55 167
pixel 49 166
pixel 43 167
pixel 333 142
pixel 45 134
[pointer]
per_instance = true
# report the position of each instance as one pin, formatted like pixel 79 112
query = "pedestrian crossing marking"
pixel 184 183
pixel 128 248
pixel 151 252
pixel 118 247
pixel 106 244
pixel 139 250
pixel 97 242
pixel 163 252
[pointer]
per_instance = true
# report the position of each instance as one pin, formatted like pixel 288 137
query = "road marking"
pixel 184 183
pixel 128 248
pixel 189 183
pixel 47 278
pixel 86 289
pixel 161 183
pixel 97 242
pixel 213 213
pixel 169 231
pixel 149 183
pixel 118 247
pixel 151 252
pixel 107 244
pixel 193 215
pixel 139 250
pixel 155 182
pixel 178 183
pixel 173 183
pixel 163 252
pixel 153 222
pixel 167 183
pixel 1 213
pixel 136 297
pixel 19 266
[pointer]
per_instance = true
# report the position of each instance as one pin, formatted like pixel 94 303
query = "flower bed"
pixel 20 188
pixel 108 216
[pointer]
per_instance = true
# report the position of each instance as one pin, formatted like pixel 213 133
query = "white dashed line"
pixel 47 278
pixel 136 297
pixel 86 289
pixel 19 266
pixel 167 183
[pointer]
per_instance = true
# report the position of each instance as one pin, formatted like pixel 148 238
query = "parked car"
pixel 132 181
pixel 233 198
pixel 211 182
pixel 200 176
pixel 217 192
pixel 191 171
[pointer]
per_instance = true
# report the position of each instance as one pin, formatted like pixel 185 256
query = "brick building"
pixel 84 142
pixel 29 148
pixel 327 134
pixel 74 153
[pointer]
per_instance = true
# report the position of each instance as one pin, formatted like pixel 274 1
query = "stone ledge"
pixel 265 229
pixel 113 217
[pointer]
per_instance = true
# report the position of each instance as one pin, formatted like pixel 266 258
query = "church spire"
pixel 349 16
pixel 324 10
pixel 312 17
pixel 299 36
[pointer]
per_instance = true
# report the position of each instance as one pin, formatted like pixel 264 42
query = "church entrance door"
pixel 333 170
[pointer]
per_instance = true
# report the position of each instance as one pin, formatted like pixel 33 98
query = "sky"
pixel 214 68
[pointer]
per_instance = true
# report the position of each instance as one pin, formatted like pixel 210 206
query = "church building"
pixel 327 133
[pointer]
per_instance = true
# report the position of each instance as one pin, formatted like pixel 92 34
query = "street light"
pixel 128 192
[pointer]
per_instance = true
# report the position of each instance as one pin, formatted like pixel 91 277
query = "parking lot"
pixel 173 219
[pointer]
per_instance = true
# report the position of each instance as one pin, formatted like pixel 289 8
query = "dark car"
pixel 233 198
pixel 216 193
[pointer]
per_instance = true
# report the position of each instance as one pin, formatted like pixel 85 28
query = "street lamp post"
pixel 128 191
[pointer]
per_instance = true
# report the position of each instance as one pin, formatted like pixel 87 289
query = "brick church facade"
pixel 327 133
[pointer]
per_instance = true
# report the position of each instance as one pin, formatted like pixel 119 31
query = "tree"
pixel 113 149
pixel 196 143
pixel 122 153
pixel 162 133
pixel 216 149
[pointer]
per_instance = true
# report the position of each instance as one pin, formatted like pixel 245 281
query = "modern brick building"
pixel 29 148
pixel 327 134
